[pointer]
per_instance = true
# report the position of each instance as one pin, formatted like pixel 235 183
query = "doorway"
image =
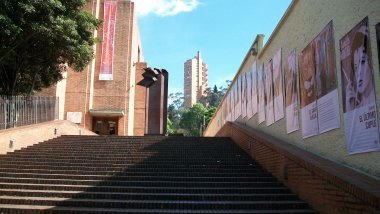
pixel 105 126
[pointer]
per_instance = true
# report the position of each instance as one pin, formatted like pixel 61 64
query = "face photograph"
pixel 307 76
pixel 290 80
pixel 358 85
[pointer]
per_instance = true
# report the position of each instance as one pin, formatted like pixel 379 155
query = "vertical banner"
pixel 248 77
pixel 327 86
pixel 225 110
pixel 269 110
pixel 378 40
pixel 291 95
pixel 261 90
pixel 308 93
pixel 109 22
pixel 229 108
pixel 254 88
pixel 358 91
pixel 234 98
pixel 278 91
pixel 237 97
pixel 243 95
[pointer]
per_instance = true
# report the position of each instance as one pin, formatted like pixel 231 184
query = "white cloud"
pixel 164 7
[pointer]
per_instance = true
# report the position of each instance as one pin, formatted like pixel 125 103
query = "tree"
pixel 175 111
pixel 39 38
pixel 169 127
pixel 192 119
pixel 213 97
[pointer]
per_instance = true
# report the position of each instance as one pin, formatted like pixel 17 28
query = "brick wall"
pixel 325 185
pixel 107 95
pixel 140 102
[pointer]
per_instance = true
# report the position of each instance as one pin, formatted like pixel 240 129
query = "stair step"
pixel 148 196
pixel 153 204
pixel 61 209
pixel 98 174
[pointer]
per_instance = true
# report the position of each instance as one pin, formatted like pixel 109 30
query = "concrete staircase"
pixel 96 174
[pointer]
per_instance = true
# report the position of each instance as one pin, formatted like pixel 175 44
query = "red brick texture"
pixel 327 186
pixel 140 101
pixel 107 95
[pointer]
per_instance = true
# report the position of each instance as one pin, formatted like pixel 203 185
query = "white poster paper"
pixel 291 101
pixel 269 108
pixel 238 91
pixel 327 92
pixel 249 94
pixel 309 115
pixel 243 96
pixel 254 88
pixel 278 91
pixel 261 90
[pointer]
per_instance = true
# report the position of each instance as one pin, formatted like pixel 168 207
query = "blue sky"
pixel 172 31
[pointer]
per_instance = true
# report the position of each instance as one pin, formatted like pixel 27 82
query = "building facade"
pixel 102 97
pixel 195 80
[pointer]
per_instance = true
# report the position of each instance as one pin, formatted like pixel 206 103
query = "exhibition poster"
pixel 309 111
pixel 261 90
pixel 278 91
pixel 254 88
pixel 358 91
pixel 325 76
pixel 269 110
pixel 291 95
pixel 249 94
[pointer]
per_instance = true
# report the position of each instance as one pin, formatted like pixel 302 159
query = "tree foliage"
pixel 191 122
pixel 38 38
pixel 193 119
pixel 214 96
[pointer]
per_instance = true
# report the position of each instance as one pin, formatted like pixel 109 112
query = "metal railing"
pixel 18 111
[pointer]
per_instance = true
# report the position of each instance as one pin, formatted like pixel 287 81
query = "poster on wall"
pixel 278 91
pixel 238 82
pixel 309 119
pixel 269 108
pixel 325 76
pixel 225 112
pixel 238 98
pixel 291 95
pixel 243 96
pixel 232 103
pixel 378 41
pixel 254 88
pixel 235 99
pixel 228 101
pixel 261 91
pixel 248 77
pixel 358 91
pixel 109 22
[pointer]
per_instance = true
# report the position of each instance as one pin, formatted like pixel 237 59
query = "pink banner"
pixel 109 22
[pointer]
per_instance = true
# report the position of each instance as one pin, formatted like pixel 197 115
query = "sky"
pixel 172 31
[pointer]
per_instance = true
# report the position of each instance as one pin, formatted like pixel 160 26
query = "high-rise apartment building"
pixel 195 80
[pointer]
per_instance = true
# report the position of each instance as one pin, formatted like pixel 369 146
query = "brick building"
pixel 102 97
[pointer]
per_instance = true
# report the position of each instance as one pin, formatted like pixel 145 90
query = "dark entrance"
pixel 105 125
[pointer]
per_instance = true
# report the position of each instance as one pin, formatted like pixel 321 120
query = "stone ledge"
pixel 24 136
